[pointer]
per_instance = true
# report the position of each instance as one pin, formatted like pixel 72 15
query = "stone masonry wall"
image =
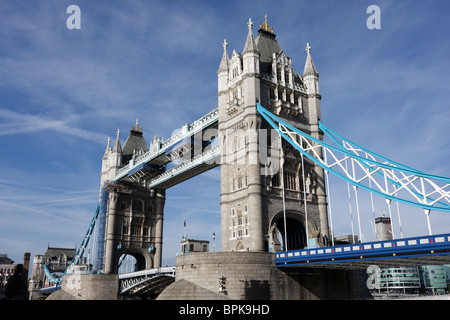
pixel 246 276
pixel 87 287
pixel 254 276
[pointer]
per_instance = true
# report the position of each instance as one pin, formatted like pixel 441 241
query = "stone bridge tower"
pixel 132 214
pixel 252 203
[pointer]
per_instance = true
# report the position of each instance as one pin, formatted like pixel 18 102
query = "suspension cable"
pixel 355 188
pixel 398 215
pixel 284 202
pixel 304 201
pixel 350 205
pixel 329 202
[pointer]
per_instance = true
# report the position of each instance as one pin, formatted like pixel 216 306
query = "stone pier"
pixel 254 276
pixel 87 287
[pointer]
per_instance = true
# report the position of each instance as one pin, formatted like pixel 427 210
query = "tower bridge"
pixel 267 135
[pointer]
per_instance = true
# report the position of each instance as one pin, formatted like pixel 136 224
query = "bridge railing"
pixel 149 272
pixel 407 247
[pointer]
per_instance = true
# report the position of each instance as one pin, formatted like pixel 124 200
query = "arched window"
pixel 137 205
pixel 136 230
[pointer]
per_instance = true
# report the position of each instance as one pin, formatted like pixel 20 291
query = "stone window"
pixel 272 93
pixel 239 181
pixel 136 230
pixel 235 72
pixel 235 94
pixel 276 180
pixel 137 205
pixel 290 180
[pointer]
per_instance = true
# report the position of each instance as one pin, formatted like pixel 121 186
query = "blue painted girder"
pixel 389 249
pixel 441 205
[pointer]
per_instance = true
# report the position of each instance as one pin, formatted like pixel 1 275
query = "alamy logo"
pixel 236 145
pixel 373 281
pixel 74 281
pixel 73 21
pixel 374 20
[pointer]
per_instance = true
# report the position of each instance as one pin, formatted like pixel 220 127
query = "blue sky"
pixel 64 92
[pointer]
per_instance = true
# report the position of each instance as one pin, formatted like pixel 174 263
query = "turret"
pixel 111 161
pixel 106 155
pixel 222 73
pixel 250 53
pixel 311 81
pixel 250 71
pixel 116 153
pixel 310 74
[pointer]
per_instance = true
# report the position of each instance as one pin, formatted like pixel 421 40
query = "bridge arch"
pixel 142 257
pixel 295 229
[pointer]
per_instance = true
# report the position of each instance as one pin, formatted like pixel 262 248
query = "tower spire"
pixel 136 127
pixel 250 45
pixel 224 62
pixel 310 68
pixel 117 145
pixel 265 26
pixel 108 148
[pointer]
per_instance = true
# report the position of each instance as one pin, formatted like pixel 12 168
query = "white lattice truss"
pixel 365 169
pixel 129 281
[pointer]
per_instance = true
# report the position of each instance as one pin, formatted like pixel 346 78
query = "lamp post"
pixel 214 241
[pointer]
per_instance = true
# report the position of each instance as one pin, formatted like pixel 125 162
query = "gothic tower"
pixel 131 219
pixel 256 198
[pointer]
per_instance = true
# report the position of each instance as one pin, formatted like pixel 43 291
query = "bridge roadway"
pixel 416 251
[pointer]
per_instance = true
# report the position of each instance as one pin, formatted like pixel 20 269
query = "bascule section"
pixel 134 178
pixel 265 181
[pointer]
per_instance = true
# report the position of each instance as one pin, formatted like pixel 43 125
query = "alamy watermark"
pixel 373 280
pixel 74 281
pixel 242 147
pixel 74 20
pixel 374 20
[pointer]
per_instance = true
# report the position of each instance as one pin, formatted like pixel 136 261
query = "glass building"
pixel 434 279
pixel 413 280
pixel 403 280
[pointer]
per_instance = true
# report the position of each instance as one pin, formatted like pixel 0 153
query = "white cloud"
pixel 15 123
